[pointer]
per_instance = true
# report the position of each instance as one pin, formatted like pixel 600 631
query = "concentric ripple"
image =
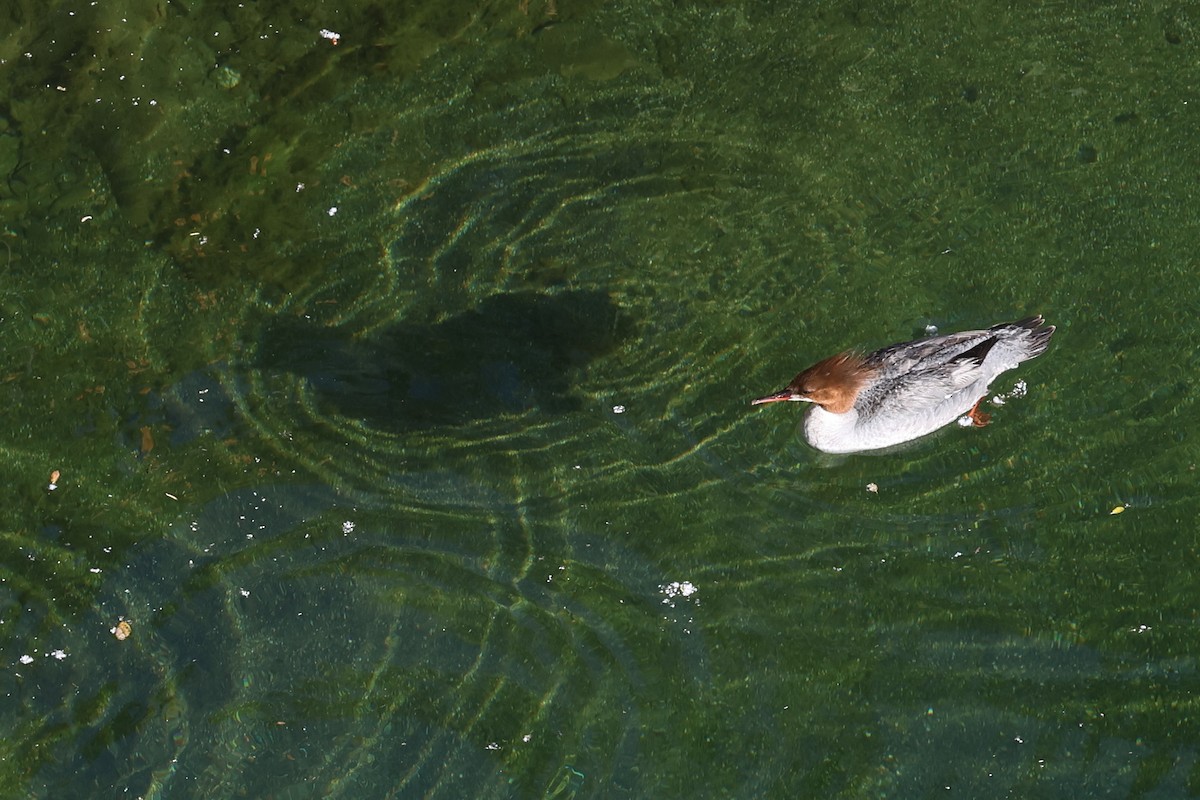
pixel 312 642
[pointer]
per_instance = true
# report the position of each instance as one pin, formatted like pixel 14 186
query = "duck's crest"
pixel 835 382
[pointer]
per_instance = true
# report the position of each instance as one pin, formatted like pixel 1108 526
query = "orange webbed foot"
pixel 978 418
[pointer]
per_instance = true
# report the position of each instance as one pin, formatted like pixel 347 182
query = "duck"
pixel 908 390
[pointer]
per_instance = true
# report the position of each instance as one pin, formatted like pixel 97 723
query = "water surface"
pixel 386 371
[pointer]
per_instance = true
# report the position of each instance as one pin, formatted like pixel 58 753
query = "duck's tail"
pixel 1031 335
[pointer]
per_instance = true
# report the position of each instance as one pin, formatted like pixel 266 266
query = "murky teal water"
pixel 394 394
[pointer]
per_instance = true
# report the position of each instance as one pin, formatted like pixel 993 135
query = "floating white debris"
pixel 676 589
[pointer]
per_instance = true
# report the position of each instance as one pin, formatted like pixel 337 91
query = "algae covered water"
pixel 377 382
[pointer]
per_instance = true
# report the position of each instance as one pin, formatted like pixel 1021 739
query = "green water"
pixel 397 390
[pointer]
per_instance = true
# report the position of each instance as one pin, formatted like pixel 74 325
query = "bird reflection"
pixel 511 353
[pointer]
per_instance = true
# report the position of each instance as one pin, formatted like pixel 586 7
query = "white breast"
pixel 849 433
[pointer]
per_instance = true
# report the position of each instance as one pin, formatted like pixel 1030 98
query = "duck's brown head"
pixel 833 384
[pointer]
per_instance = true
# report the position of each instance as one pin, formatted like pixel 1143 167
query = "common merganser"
pixel 907 390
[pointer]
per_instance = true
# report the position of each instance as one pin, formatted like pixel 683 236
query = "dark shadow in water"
pixel 511 353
